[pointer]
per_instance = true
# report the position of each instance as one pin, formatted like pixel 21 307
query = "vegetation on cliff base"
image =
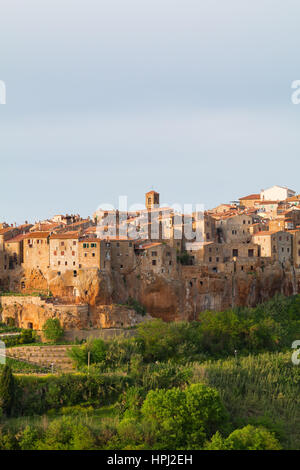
pixel 226 382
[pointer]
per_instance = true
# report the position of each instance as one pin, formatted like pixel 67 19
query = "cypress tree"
pixel 7 390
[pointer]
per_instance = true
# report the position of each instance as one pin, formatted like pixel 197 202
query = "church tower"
pixel 152 200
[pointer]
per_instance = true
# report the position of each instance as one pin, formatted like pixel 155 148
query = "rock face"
pixel 32 312
pixel 93 298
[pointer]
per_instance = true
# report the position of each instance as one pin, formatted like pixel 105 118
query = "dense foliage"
pixel 226 382
pixel 25 337
pixel 52 329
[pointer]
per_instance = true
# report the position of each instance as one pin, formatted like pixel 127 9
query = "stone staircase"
pixel 43 356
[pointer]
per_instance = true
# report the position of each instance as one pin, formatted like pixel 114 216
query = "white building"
pixel 276 193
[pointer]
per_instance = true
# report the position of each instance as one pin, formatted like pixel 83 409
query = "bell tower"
pixel 152 200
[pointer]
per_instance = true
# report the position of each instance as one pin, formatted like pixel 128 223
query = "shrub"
pixel 247 438
pixel 185 417
pixel 52 329
pixel 96 348
pixel 65 434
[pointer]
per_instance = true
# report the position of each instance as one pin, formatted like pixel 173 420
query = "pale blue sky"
pixel 113 97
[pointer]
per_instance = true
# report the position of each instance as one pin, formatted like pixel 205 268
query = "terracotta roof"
pixel 65 235
pixel 90 240
pixel 250 197
pixel 16 239
pixel 45 227
pixel 152 192
pixel 6 230
pixel 37 235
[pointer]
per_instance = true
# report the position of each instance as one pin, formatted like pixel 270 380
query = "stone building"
pixel 151 200
pixel 36 251
pixel 64 254
pixel 14 252
pixel 205 225
pixel 94 253
pixel 122 254
pixel 157 257
pixel 276 193
pixel 275 245
pixel 249 201
pixel 296 247
pixel 235 228
pixel 206 253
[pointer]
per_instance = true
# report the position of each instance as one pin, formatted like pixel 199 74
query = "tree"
pixel 52 329
pixel 7 390
pixel 247 438
pixel 185 417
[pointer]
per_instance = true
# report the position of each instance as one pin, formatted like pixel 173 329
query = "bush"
pixel 25 337
pixel 52 329
pixel 185 417
pixel 65 434
pixel 247 438
pixel 96 348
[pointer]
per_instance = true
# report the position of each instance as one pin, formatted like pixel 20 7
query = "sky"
pixel 109 98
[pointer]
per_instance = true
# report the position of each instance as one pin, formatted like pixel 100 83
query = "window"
pixel 58 273
pixel 217 259
pixel 74 264
pixel 235 253
pixel 154 253
pixel 62 243
pixel 58 263
pixel 74 273
pixel 74 243
pixel 93 254
pixel 250 253
pixel 210 259
pixel 55 253
pixel 66 263
pixel 154 262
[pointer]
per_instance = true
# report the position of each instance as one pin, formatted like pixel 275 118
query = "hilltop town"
pixel 173 265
